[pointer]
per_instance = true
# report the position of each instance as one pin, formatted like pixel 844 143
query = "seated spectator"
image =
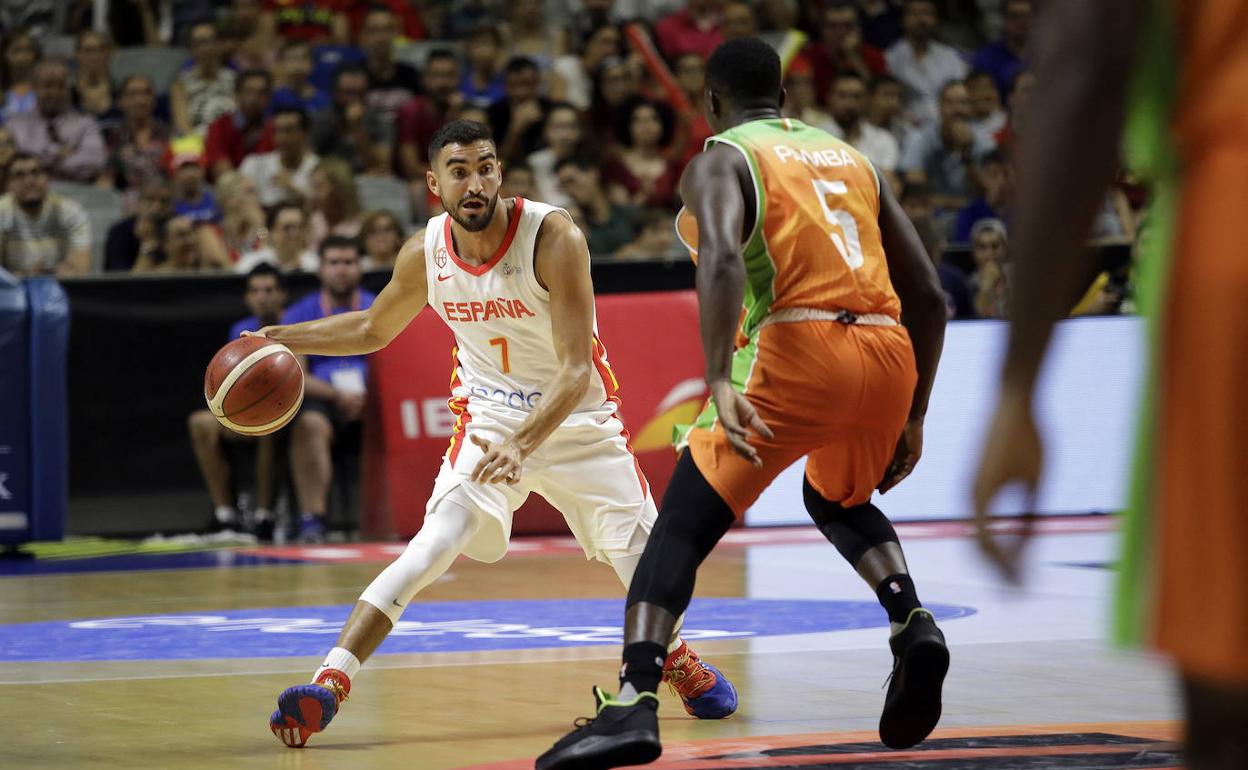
pixel 641 174
pixel 607 225
pixel 134 235
pixel 285 174
pixel 988 244
pixel 737 20
pixel 67 142
pixel 1020 94
pixel 21 54
pixel 615 83
pixel 1003 59
pixel 245 131
pixel 692 130
pixel 41 233
pixel 264 296
pixel 184 248
pixel 849 99
pixel 335 387
pixel 881 22
pixel 840 49
pixel 994 182
pixel 518 181
pixel 987 116
pixel 959 302
pixel 294 67
pixel 390 83
pixel 191 197
pixel 884 107
pixel 800 102
pixel 923 64
pixel 316 21
pixel 203 92
pixel 532 33
pixel 571 77
pixel 409 17
pixel 139 142
pixel 288 243
pixel 381 237
pixel 8 149
pixel 656 238
pixel 252 44
pixel 421 117
pixel 335 201
pixel 349 130
pixel 693 29
pixel 242 216
pixel 517 118
pixel 93 92
pixel 562 134
pixel 943 156
pixel 482 83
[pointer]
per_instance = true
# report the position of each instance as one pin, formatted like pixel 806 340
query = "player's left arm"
pixel 562 264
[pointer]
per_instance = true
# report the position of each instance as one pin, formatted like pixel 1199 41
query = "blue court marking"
pixel 425 627
pixel 124 562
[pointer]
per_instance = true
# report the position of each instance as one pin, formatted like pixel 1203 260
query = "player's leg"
pixel 208 440
pixel 1217 725
pixel 311 466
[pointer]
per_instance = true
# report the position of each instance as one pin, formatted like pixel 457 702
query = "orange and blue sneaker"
pixel 306 709
pixel 705 691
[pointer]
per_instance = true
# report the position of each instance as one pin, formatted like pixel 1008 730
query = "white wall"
pixel 1087 410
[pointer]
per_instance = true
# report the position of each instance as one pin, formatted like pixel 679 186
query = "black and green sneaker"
pixel 920 662
pixel 622 733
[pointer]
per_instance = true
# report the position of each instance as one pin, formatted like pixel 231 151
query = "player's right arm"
pixel 365 331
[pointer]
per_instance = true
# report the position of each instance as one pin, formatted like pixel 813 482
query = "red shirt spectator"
pixel 642 174
pixel 694 29
pixel 840 48
pixel 240 133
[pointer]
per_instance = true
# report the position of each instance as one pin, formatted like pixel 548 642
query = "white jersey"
pixel 500 314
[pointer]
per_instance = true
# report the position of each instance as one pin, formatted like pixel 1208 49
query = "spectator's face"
pixel 21 53
pixel 1022 92
pixel 563 131
pixel 246 13
pixel 618 83
pixel 378 33
pixel 603 42
pixel 527 12
pixel 290 235
pixel 467 182
pixel 691 74
pixel 253 98
pixel 838 24
pixel 289 138
pixel 1016 22
pixel 518 181
pixel 244 195
pixel 476 115
pixel 264 298
pixel 28 182
pixel 138 98
pixel 984 97
pixel 522 86
pixel 340 270
pixel 919 20
pixel 989 246
pixel 52 89
pixel 381 239
pixel 93 53
pixel 995 178
pixel 155 202
pixel 646 127
pixel 799 90
pixel 849 96
pixel 441 78
pixel 7 146
pixel 886 102
pixel 180 239
pixel 351 89
pixel 738 21
pixel 483 52
pixel 918 208
pixel 578 183
pixel 189 178
pixel 296 63
pixel 955 104
pixel 204 44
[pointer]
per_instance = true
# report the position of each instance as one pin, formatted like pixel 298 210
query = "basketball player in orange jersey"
pixel 1183 575
pixel 795 226
pixel 536 405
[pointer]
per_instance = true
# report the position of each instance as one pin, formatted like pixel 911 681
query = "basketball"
pixel 254 386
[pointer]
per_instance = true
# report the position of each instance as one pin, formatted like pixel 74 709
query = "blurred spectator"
pixel 138 143
pixel 694 28
pixel 519 181
pixel 183 249
pixel 252 45
pixel 615 82
pixel 607 225
pixel 994 182
pixel 349 130
pixel 38 17
pixel 884 107
pixel 335 386
pixel 265 294
pixel 235 135
pixel 421 117
pixel 482 84
pixel 517 118
pixel 409 15
pixel 881 22
pixel 943 155
pixel 641 174
pixel 840 48
pixel 67 142
pixel 242 217
pixel 1003 58
pixel 21 54
pixel 849 100
pixel 988 243
pixel 1020 93
pixel 204 91
pixel 294 66
pixel 41 232
pixel 316 21
pixel 8 149
pixel 285 173
pixel 381 236
pixel 390 84
pixel 922 64
pixel 571 80
pixel 562 133
pixel 916 202
pixel 987 117
pixel 692 130
pixel 288 243
pixel 191 197
pixel 93 92
pixel 590 15
pixel 656 238
pixel 531 33
pixel 959 302
pixel 335 201
pixel 738 20
pixel 134 235
pixel 132 23
pixel 962 23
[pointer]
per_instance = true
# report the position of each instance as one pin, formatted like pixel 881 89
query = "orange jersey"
pixel 1213 73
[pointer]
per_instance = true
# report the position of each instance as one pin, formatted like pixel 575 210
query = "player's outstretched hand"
pixel 909 450
pixel 501 462
pixel 1013 454
pixel 737 416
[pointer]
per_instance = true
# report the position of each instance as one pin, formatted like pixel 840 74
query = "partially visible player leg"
pixel 307 709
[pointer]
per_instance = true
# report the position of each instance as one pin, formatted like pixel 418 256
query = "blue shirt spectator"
pixel 203 210
pixel 1003 58
pixel 320 305
pixel 284 97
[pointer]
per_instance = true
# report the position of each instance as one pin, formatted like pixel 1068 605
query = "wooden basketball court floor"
pixel 174 660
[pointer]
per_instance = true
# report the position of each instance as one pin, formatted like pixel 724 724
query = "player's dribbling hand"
pixel 258 332
pixel 1012 454
pixel 501 462
pixel 909 450
pixel 737 416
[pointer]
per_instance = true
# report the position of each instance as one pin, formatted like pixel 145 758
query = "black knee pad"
pixel 853 531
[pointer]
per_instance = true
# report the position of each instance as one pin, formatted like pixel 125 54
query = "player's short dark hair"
pixel 290 109
pixel 254 73
pixel 745 70
pixel 338 242
pixel 458 132
pixel 277 210
pixel 265 269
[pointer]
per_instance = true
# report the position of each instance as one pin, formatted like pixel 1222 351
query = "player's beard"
pixel 474 223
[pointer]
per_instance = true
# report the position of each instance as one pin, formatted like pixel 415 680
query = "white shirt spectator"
pixel 945 170
pixel 544 179
pixel 878 145
pixel 924 77
pixel 578 88
pixel 263 169
pixel 39 244
pixel 308 261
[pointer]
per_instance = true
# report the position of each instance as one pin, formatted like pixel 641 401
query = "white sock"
pixel 343 660
pixel 225 513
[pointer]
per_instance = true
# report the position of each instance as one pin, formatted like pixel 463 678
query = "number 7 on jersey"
pixel 501 342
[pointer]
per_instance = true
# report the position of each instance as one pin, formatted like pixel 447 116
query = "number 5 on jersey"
pixel 501 342
pixel 844 233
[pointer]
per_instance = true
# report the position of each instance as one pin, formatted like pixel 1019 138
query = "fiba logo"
pixel 439 258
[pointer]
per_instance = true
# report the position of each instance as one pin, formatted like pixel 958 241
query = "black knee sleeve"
pixel 853 531
pixel 691 521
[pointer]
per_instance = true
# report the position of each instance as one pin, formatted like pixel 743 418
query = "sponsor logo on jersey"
pixel 472 312
pixel 516 399
pixel 816 158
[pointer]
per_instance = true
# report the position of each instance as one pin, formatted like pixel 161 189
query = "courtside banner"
pixel 653 349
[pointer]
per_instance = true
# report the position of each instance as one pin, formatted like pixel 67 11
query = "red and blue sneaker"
pixel 306 709
pixel 704 690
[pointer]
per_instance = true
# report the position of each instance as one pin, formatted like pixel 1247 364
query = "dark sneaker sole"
pixel 636 747
pixel 915 707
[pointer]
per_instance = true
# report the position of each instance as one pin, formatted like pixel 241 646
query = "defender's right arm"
pixel 365 331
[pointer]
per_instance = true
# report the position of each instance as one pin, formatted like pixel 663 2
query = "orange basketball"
pixel 254 386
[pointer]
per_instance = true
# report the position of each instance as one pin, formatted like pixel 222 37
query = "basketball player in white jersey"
pixel 535 402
